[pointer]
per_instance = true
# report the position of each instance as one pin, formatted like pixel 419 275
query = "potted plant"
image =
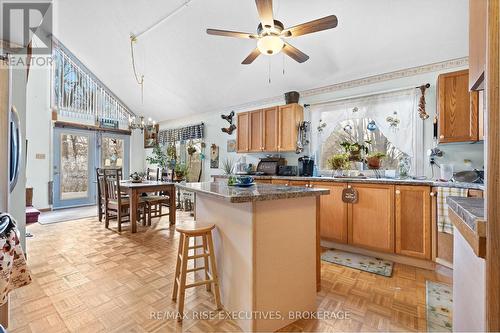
pixel 374 160
pixel 355 149
pixel 338 163
pixel 158 157
pixel 227 166
pixel 180 171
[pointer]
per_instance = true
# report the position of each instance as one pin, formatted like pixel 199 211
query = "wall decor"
pixel 371 126
pixel 393 120
pixel 229 118
pixel 231 146
pixel 421 103
pixel 214 156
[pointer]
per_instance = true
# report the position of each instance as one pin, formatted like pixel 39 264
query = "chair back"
pixel 100 184
pixel 153 174
pixel 111 180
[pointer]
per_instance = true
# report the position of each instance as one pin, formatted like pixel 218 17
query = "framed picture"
pixel 214 156
pixel 151 136
pixel 231 146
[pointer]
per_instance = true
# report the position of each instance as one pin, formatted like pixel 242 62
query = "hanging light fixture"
pixel 134 123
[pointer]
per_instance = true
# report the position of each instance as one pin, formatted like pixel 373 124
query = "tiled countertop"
pixel 471 186
pixel 257 192
pixel 469 220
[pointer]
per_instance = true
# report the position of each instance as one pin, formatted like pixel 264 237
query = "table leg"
pixel 172 208
pixel 133 209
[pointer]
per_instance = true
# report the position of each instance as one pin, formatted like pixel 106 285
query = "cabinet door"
pixel 256 131
pixel 333 212
pixel 458 110
pixel 478 10
pixel 285 182
pixel 413 221
pixel 270 124
pixel 263 181
pixel 371 218
pixel 243 134
pixel 302 183
pixel 289 117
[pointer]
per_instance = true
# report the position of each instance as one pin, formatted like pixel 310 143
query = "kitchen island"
pixel 267 249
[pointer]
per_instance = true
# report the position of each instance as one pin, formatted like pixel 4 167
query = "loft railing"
pixel 78 93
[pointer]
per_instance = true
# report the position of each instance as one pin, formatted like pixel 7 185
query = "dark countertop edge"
pixel 470 186
pixel 470 211
pixel 263 197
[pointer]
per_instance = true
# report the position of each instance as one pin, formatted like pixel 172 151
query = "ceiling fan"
pixel 271 34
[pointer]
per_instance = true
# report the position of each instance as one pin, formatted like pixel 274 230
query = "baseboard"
pixel 425 264
pixel 42 210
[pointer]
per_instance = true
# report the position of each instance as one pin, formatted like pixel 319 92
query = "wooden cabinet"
pixel 413 221
pixel 477 43
pixel 263 181
pixel 269 130
pixel 289 117
pixel 333 212
pixel 371 218
pixel 255 130
pixel 270 124
pixel 243 134
pixel 457 108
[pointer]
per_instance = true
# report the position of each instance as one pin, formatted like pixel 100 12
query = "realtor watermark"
pixel 26 32
pixel 250 315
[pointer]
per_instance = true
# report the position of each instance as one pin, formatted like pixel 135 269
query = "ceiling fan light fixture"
pixel 270 44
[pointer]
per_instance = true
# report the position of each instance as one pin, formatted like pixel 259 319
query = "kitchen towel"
pixel 443 221
pixel 14 272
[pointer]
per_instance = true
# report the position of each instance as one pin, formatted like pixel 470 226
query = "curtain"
pixel 169 136
pixel 407 136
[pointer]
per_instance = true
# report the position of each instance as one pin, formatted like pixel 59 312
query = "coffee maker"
pixel 306 166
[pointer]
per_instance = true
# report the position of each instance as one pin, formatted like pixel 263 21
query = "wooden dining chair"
pixel 112 172
pixel 156 201
pixel 116 203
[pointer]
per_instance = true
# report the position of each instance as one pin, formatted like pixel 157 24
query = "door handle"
pixel 15 147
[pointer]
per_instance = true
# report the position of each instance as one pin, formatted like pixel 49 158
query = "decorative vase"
pixel 373 163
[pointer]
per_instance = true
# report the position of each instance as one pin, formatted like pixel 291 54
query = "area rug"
pixel 439 307
pixel 359 261
pixel 67 214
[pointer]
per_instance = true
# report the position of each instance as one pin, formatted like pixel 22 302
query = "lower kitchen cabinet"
pixel 371 218
pixel 413 221
pixel 333 212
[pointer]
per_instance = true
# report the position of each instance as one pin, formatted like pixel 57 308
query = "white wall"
pixel 454 153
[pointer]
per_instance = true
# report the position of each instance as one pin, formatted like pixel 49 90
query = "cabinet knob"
pixel 432 194
pixel 349 186
pixel 441 136
pixel 398 192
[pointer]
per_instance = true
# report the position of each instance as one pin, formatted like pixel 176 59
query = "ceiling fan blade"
pixel 227 33
pixel 295 53
pixel 265 9
pixel 324 23
pixel 251 57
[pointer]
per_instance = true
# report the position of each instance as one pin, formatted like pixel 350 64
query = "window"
pixel 356 130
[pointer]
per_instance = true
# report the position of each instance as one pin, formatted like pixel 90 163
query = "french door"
pixel 77 153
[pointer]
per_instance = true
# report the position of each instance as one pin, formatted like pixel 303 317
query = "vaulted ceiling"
pixel 187 71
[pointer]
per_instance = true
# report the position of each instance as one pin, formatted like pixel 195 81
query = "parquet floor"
pixel 90 279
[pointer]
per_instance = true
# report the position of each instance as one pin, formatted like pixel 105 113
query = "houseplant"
pixel 355 149
pixel 227 166
pixel 158 157
pixel 374 160
pixel 338 163
pixel 180 171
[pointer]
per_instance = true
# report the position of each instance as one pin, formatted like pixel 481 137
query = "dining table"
pixel 135 190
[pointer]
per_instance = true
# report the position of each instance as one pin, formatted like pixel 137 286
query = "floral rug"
pixel 439 307
pixel 358 261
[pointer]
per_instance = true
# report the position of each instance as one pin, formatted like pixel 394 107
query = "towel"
pixel 443 221
pixel 14 272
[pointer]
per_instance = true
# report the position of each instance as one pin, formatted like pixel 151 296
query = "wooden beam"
pixel 493 169
pixel 66 124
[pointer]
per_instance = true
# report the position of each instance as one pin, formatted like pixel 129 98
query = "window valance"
pixel 169 136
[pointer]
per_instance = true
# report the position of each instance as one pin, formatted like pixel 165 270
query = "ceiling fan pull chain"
pixel 269 71
pixel 283 55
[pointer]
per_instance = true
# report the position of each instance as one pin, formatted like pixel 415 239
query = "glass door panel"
pixel 73 165
pixel 114 152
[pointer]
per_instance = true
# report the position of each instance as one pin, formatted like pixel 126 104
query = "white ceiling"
pixel 187 71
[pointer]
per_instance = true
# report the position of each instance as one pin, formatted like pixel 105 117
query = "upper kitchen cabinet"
pixel 457 108
pixel 270 124
pixel 477 43
pixel 269 130
pixel 243 134
pixel 289 117
pixel 256 131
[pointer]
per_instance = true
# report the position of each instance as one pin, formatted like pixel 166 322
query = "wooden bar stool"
pixel 187 231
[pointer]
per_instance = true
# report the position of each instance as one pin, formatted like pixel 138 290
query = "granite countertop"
pixel 257 192
pixel 470 210
pixel 425 182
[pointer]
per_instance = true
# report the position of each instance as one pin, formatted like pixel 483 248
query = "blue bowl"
pixel 245 180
